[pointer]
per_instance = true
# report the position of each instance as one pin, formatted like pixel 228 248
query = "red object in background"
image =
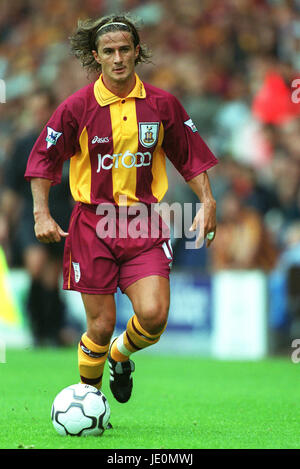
pixel 273 103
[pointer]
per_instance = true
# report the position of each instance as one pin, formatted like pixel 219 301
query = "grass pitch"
pixel 177 403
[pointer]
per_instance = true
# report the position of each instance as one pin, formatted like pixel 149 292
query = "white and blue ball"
pixel 80 410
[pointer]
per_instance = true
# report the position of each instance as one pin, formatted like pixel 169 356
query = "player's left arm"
pixel 192 158
pixel 201 187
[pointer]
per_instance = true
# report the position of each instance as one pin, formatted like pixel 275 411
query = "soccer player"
pixel 117 133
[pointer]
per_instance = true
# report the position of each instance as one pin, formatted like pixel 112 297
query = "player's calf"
pixel 135 338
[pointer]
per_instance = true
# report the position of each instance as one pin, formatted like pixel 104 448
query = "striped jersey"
pixel 118 146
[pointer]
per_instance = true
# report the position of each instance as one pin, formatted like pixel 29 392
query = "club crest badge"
pixel 148 133
pixel 76 268
pixel 52 137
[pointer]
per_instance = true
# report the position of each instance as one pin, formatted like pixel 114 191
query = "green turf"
pixel 177 402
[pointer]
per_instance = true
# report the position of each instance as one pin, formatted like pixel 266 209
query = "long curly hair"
pixel 85 39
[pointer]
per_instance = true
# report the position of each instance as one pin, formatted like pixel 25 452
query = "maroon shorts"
pixel 98 265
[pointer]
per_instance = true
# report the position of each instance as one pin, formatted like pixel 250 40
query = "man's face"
pixel 117 54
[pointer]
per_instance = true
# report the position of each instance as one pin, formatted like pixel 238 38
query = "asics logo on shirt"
pixel 97 139
pixel 126 160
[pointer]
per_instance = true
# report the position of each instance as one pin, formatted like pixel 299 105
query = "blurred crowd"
pixel 233 64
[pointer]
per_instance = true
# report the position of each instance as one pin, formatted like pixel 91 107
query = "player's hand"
pixel 206 215
pixel 47 230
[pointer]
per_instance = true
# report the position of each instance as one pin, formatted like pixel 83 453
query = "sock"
pixel 91 361
pixel 135 338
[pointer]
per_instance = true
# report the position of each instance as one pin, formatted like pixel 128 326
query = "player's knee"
pixel 154 319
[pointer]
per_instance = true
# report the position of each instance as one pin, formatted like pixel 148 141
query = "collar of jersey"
pixel 105 97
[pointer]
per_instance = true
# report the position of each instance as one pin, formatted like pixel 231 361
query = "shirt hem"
pixel 31 175
pixel 201 170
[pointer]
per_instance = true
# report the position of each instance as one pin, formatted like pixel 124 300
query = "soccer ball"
pixel 80 410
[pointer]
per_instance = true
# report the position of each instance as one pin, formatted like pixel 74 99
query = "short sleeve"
pixel 56 144
pixel 182 143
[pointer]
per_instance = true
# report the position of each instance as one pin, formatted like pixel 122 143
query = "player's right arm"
pixel 45 227
pixel 57 143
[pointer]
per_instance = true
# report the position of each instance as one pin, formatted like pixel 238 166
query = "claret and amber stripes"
pixel 125 139
pixel 113 159
pixel 118 146
pixel 91 360
pixel 133 339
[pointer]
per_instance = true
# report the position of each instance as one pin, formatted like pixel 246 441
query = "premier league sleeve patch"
pixel 191 124
pixel 52 137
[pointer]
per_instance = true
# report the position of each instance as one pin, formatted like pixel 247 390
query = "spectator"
pixel 242 241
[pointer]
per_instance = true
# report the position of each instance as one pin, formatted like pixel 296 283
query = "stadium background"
pixel 232 64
